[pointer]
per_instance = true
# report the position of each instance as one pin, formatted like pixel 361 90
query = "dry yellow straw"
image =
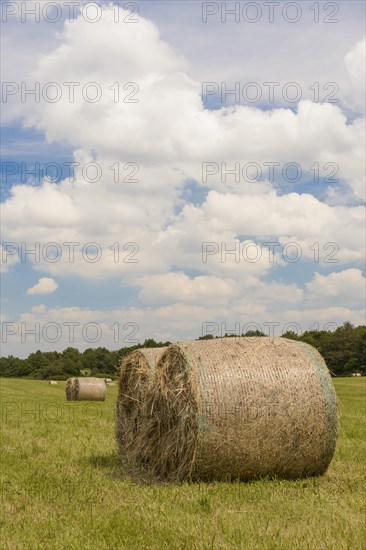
pixel 241 408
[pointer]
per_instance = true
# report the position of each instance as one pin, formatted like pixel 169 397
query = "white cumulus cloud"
pixel 356 62
pixel 343 288
pixel 45 285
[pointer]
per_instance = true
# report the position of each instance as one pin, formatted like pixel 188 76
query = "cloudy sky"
pixel 177 169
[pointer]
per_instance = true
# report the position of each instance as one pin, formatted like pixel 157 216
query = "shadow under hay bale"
pixel 241 409
pixel 85 389
pixel 103 461
pixel 137 373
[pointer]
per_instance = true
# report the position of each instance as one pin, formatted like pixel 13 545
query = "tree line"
pixel 344 351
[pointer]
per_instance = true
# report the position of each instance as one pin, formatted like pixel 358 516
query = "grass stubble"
pixel 62 486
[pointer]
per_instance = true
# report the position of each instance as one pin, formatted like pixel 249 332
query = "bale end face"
pixel 137 374
pixel 69 389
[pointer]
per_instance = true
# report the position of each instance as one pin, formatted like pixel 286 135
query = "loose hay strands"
pixel 69 390
pixel 137 373
pixel 241 408
pixel 88 389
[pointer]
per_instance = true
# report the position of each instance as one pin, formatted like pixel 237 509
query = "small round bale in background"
pixel 52 382
pixel 240 409
pixel 88 389
pixel 136 379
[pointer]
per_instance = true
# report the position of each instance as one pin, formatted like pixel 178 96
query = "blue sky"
pixel 170 211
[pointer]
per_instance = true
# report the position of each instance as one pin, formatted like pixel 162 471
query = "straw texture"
pixel 241 409
pixel 136 381
pixel 69 389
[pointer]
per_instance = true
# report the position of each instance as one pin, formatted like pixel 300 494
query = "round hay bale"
pixel 52 382
pixel 69 389
pixel 137 373
pixel 88 389
pixel 240 409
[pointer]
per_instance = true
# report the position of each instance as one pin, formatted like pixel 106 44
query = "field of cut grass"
pixel 61 486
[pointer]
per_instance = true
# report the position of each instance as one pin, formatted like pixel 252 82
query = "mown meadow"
pixel 62 487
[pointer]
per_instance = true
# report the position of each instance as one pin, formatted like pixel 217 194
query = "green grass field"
pixel 62 487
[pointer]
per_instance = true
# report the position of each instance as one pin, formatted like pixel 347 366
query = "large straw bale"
pixel 241 408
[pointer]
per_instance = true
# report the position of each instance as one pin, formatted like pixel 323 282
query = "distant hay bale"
pixel 108 380
pixel 110 384
pixel 356 374
pixel 88 389
pixel 137 372
pixel 240 409
pixel 52 382
pixel 85 389
pixel 69 389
